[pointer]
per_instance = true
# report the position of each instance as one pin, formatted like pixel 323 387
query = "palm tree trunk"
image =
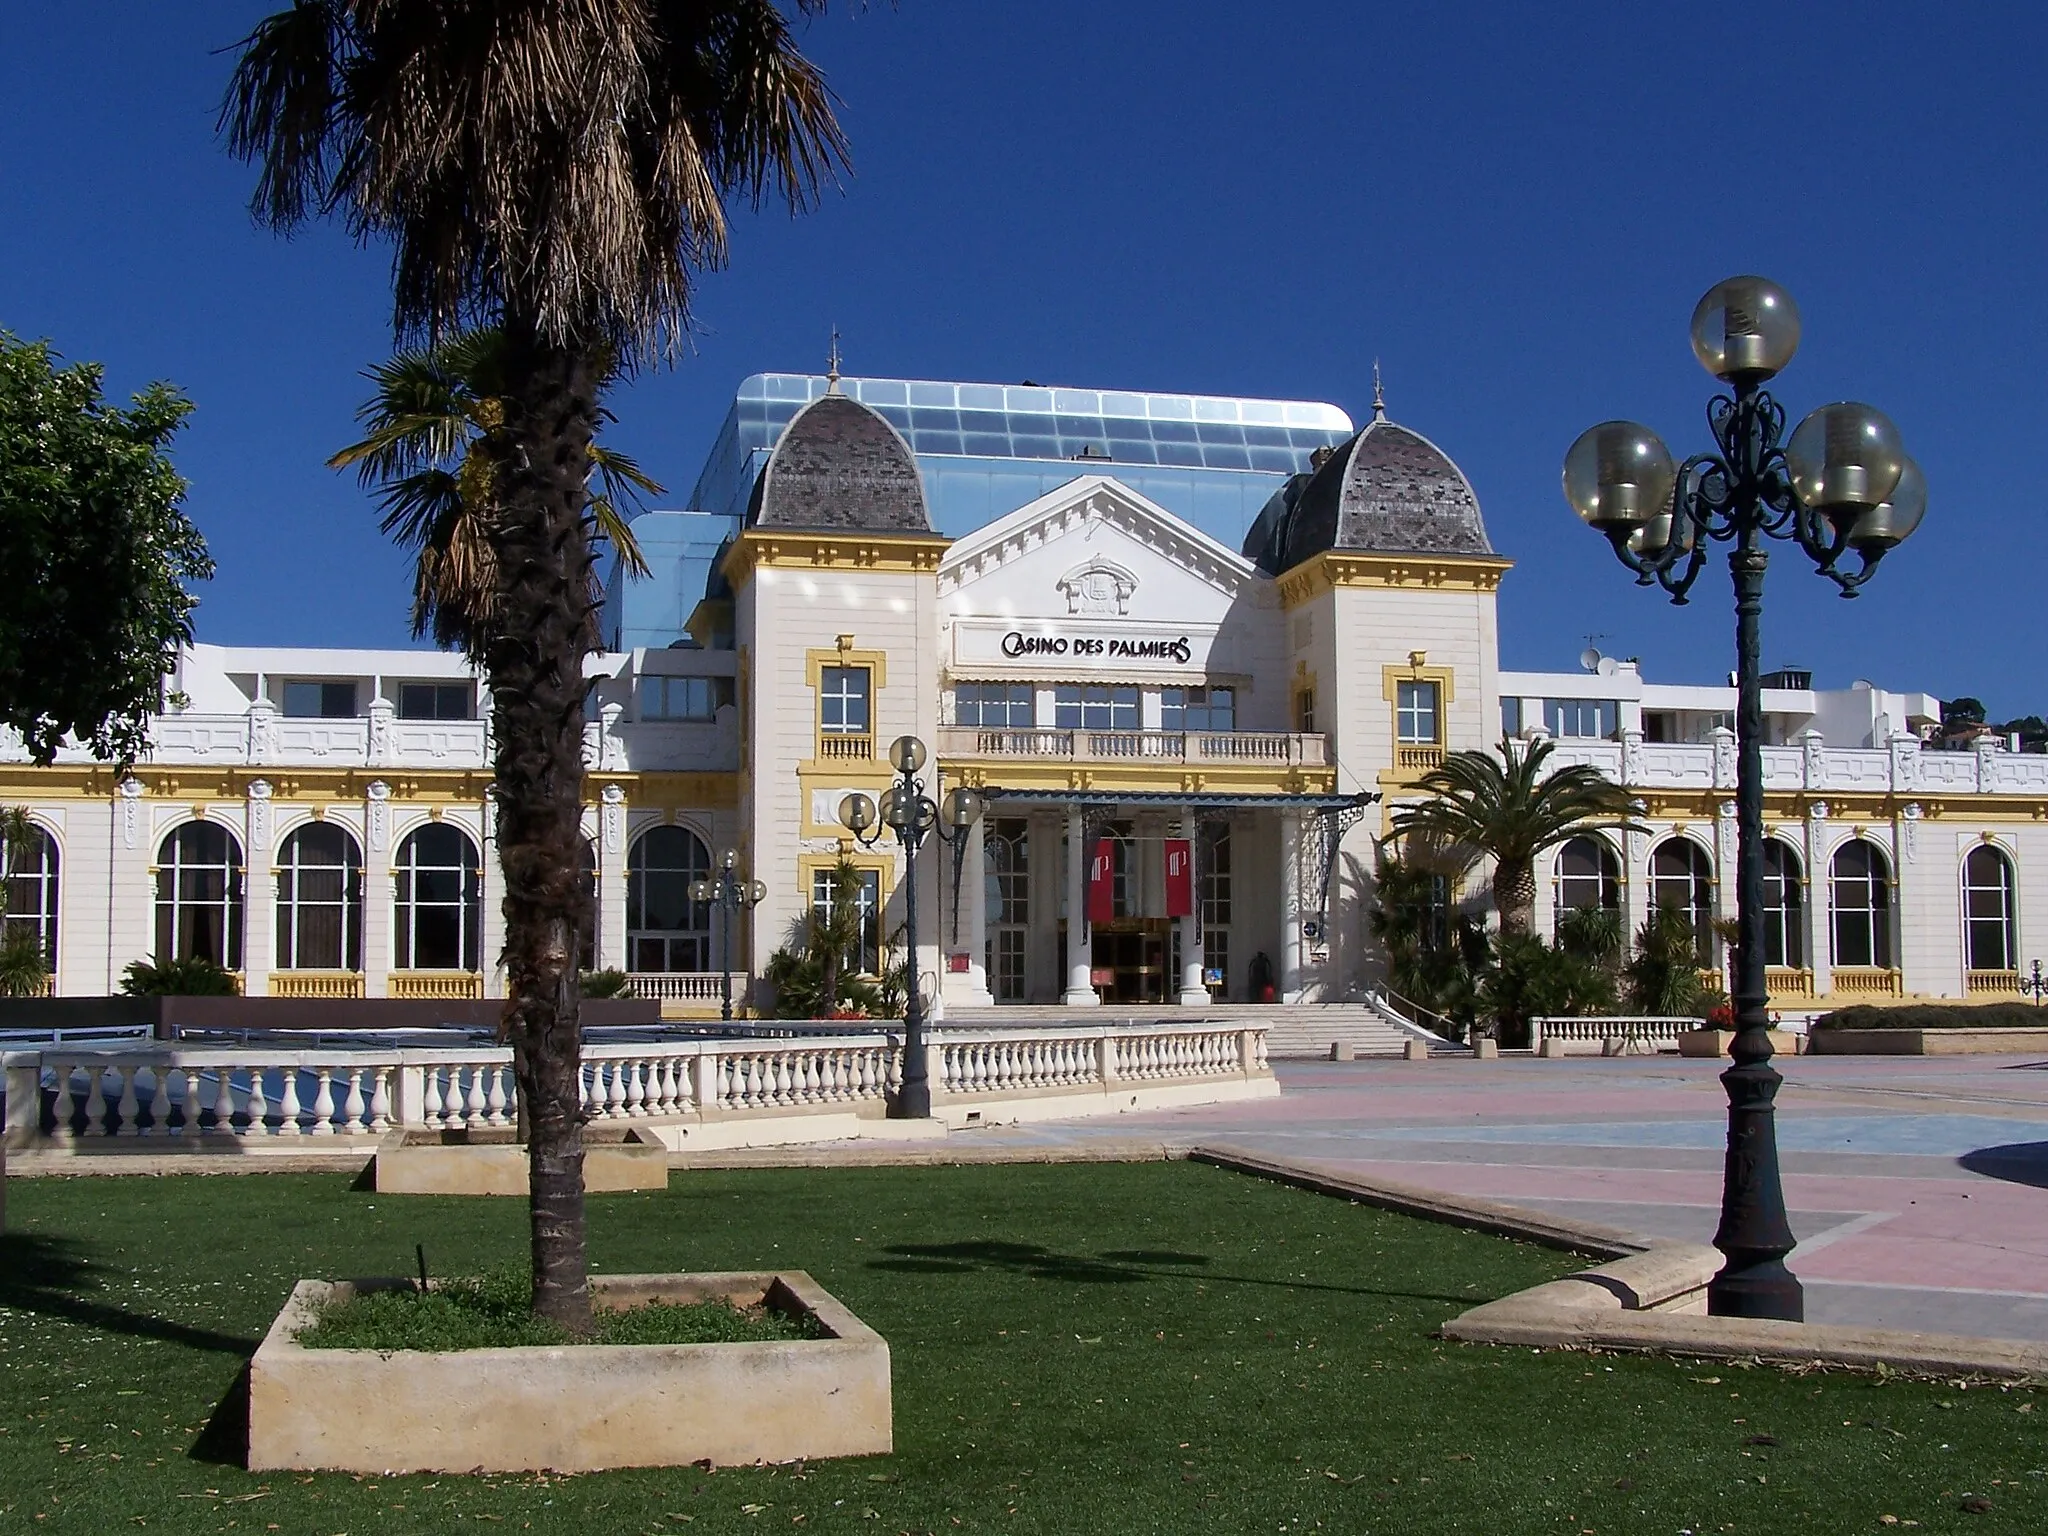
pixel 1514 894
pixel 534 657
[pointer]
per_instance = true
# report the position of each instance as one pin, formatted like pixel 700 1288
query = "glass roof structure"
pixel 1113 431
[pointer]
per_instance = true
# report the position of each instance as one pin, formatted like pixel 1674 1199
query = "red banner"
pixel 1180 877
pixel 1102 881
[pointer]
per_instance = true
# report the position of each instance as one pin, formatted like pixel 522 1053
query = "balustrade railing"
pixel 1647 1032
pixel 1281 747
pixel 277 1094
pixel 684 986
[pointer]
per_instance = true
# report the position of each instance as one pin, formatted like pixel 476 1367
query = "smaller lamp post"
pixel 913 815
pixel 731 895
pixel 2035 985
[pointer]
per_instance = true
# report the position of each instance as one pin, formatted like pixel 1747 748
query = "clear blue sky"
pixel 1513 207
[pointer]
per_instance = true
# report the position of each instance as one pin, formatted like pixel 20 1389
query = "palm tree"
pixel 561 172
pixel 435 438
pixel 1509 809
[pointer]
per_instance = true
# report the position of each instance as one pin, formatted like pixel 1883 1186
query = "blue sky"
pixel 1514 208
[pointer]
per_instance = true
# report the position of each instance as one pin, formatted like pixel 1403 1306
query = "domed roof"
pixel 1388 490
pixel 839 465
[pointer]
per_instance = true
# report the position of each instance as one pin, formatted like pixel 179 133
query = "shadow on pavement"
pixel 2019 1162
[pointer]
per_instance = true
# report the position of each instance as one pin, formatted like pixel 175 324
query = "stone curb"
pixel 959 1149
pixel 1591 1238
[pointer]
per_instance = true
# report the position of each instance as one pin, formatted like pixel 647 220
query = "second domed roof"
pixel 1388 490
pixel 839 465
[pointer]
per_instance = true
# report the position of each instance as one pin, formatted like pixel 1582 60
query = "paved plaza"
pixel 1918 1187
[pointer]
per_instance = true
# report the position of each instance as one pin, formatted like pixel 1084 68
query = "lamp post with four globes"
pixel 1842 484
pixel 732 894
pixel 913 815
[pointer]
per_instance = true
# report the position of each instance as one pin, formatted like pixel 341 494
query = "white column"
pixel 1192 993
pixel 1079 993
pixel 1290 907
pixel 969 988
pixel 1819 952
pixel 492 892
pixel 377 942
pixel 259 894
pixel 611 878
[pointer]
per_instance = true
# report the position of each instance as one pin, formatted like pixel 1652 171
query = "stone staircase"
pixel 1302 1029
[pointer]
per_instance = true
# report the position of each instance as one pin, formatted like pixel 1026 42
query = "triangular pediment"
pixel 1095 545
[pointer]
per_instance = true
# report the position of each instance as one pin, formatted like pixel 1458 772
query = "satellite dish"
pixel 1590 659
pixel 1607 666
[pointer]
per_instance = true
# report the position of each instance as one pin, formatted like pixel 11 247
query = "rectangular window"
pixel 868 897
pixel 320 701
pixel 1198 709
pixel 843 701
pixel 433 701
pixel 1585 718
pixel 683 698
pixel 1511 717
pixel 1094 707
pixel 1305 710
pixel 1415 712
pixel 993 706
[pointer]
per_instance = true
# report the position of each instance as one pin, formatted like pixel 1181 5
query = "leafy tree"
pixel 1962 714
pixel 1508 808
pixel 814 978
pixel 433 446
pixel 98 552
pixel 1435 954
pixel 560 172
pixel 1664 974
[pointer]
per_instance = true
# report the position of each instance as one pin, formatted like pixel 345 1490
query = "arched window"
pixel 320 900
pixel 1588 875
pixel 438 902
pixel 199 895
pixel 1682 876
pixel 1784 906
pixel 31 895
pixel 1989 937
pixel 665 930
pixel 1006 891
pixel 1860 904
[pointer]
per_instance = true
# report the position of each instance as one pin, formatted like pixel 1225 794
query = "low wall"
pixel 1926 1042
pixel 167 1017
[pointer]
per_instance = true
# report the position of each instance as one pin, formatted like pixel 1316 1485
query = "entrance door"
pixel 1129 959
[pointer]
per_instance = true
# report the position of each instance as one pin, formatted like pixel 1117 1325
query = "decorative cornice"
pixel 797 550
pixel 1340 568
pixel 1017 773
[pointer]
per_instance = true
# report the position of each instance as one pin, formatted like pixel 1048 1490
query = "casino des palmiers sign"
pixel 1177 650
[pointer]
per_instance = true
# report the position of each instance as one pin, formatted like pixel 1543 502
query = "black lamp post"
pixel 913 816
pixel 731 895
pixel 1842 483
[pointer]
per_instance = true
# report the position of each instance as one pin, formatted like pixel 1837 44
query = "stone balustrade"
pixel 1291 748
pixel 109 1094
pixel 1590 1036
pixel 1902 766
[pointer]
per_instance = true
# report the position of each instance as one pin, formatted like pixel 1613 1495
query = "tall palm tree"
pixel 1507 807
pixel 435 438
pixel 560 169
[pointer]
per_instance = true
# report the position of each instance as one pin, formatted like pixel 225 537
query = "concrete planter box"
pixel 578 1408
pixel 422 1163
pixel 1926 1042
pixel 1714 1042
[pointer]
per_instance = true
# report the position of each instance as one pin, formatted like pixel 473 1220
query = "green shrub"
pixel 192 977
pixel 24 968
pixel 605 983
pixel 1937 1016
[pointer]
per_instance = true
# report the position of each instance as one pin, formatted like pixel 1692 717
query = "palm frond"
pixel 282 109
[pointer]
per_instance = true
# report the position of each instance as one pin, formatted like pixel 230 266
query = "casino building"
pixel 1213 635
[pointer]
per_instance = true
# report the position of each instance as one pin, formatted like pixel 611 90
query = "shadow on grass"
pixel 1118 1267
pixel 46 1276
pixel 2019 1162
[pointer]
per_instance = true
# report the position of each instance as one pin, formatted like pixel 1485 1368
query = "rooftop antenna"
pixel 832 369
pixel 1379 395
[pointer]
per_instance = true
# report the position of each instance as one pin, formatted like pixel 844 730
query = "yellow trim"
pixel 912 553
pixel 1412 759
pixel 1423 573
pixel 839 749
pixel 318 788
pixel 435 984
pixel 867 777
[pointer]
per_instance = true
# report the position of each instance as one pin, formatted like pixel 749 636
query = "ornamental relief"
pixel 1100 588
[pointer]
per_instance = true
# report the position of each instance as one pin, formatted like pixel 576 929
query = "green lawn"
pixel 1114 1349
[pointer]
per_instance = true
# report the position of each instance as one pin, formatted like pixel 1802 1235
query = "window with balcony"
pixel 994 706
pixel 844 702
pixel 1416 716
pixel 685 698
pixel 1860 905
pixel 1198 709
pixel 320 701
pixel 1596 719
pixel 1988 926
pixel 434 701
pixel 1095 707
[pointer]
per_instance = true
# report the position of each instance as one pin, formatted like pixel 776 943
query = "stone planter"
pixel 1927 1042
pixel 493 1163
pixel 575 1408
pixel 1714 1042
